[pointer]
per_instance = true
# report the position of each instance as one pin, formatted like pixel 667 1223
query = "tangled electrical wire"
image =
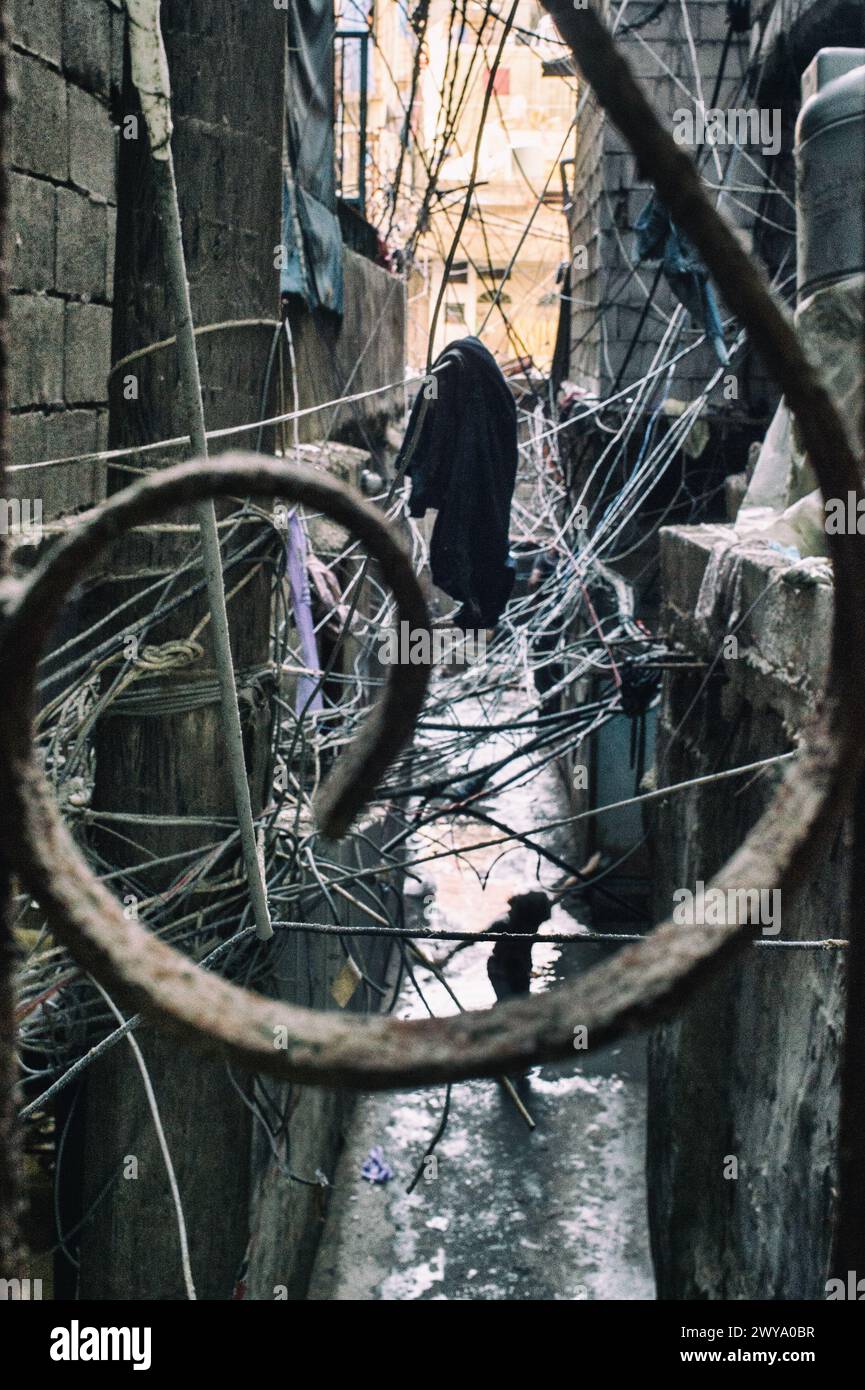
pixel 196 898
pixel 116 667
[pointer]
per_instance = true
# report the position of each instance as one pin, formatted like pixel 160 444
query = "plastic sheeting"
pixel 772 484
pixel 659 239
pixel 830 325
pixel 311 237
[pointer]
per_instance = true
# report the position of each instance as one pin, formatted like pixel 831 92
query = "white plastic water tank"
pixel 830 170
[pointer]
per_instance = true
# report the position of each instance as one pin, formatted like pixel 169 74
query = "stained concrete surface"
pixel 504 1213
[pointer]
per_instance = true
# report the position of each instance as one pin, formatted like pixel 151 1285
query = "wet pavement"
pixel 504 1212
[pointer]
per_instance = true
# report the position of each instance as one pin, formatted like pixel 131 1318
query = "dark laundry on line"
pixel 465 465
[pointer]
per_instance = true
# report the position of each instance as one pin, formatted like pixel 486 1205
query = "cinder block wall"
pixel 66 63
pixel 609 197
pixel 678 53
pixel 361 352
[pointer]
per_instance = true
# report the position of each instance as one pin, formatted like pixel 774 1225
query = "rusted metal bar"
pixel 643 983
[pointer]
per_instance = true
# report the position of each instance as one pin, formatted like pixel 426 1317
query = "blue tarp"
pixel 311 237
pixel 312 242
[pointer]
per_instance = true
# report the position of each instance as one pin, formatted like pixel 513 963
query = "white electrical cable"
pixel 160 1135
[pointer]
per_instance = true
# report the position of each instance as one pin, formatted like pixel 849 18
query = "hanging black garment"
pixel 465 464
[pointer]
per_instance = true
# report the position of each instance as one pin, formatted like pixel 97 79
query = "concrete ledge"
pixel 783 631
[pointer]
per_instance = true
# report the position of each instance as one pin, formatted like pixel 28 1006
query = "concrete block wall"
pixel 750 1069
pixel 66 64
pixel 784 36
pixel 609 197
pixel 67 61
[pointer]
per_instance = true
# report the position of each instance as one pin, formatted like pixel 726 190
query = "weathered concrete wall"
pixel 750 1070
pixel 66 66
pixel 364 351
pixel 292 1170
pixel 67 70
pixel 67 61
pixel 227 77
pixel 588 279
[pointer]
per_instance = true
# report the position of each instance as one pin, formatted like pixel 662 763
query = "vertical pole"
pixel 187 357
pixel 364 82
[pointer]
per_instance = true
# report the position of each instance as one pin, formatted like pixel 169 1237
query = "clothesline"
pixel 110 455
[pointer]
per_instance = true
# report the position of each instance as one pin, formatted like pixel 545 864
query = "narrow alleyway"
pixel 557 1213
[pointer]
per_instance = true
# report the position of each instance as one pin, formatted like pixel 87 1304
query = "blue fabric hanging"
pixel 659 239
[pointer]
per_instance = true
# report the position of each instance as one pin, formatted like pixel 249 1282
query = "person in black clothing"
pixel 510 964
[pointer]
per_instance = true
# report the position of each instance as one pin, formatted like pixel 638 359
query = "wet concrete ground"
pixel 504 1213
